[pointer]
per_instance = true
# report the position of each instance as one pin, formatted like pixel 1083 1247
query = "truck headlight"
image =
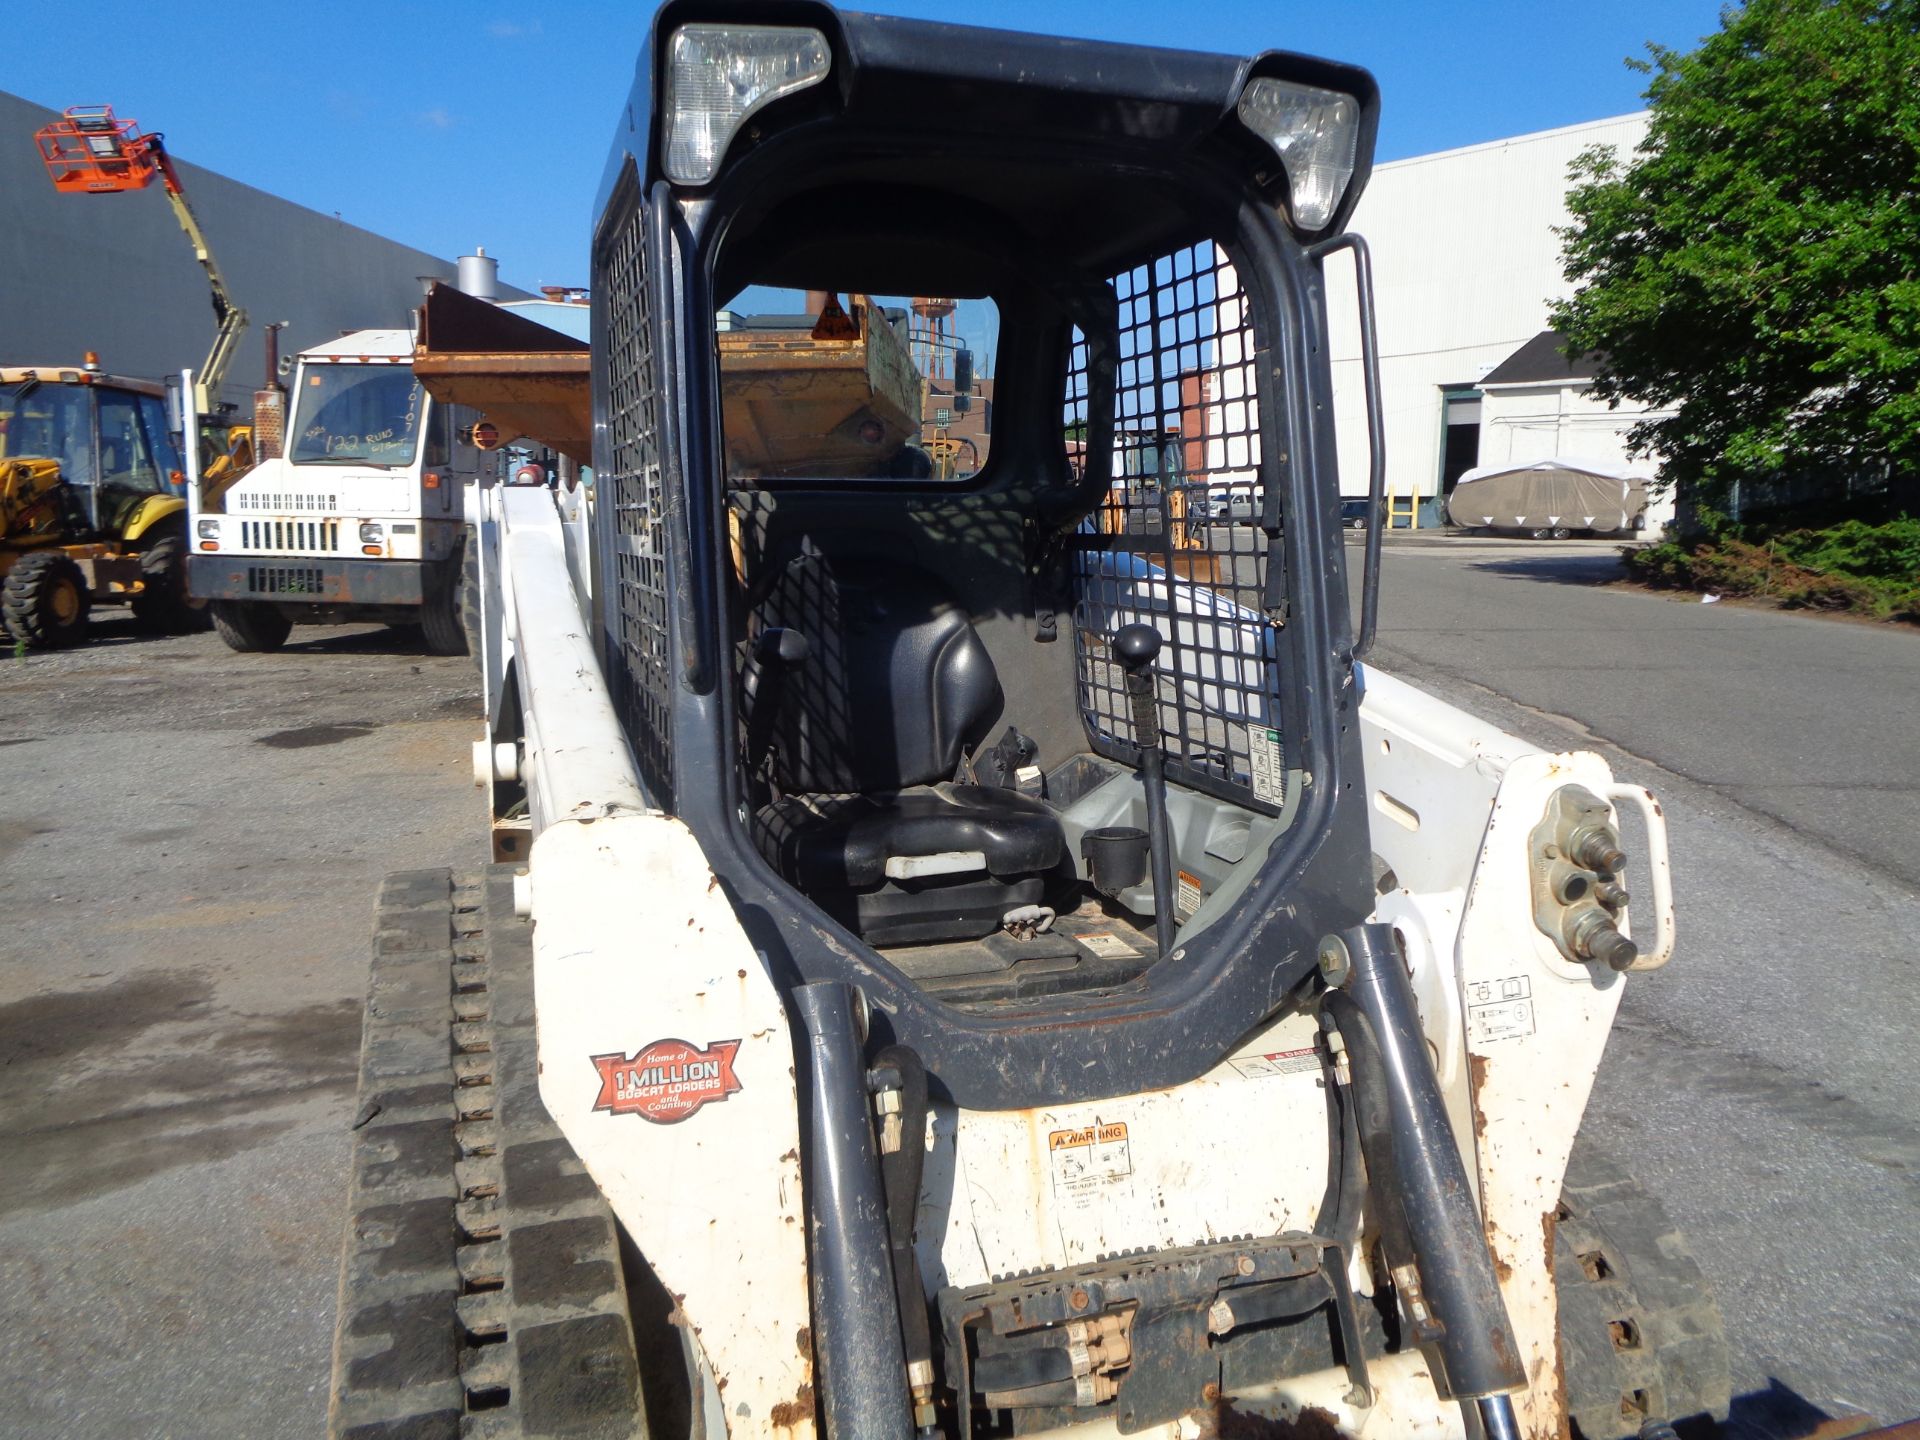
pixel 207 529
pixel 372 534
pixel 1315 133
pixel 718 75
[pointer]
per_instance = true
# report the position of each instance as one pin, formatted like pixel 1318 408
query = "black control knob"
pixel 1136 646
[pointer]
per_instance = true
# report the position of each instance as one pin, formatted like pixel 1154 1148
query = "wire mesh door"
pixel 1183 539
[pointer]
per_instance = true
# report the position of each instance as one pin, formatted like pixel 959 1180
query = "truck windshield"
pixel 357 415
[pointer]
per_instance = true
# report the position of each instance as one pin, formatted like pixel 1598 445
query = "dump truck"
pixel 955 964
pixel 362 520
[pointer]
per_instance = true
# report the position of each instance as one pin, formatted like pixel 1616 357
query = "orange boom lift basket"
pixel 90 151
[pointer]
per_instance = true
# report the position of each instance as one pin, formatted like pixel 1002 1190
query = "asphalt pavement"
pixel 190 841
pixel 189 846
pixel 1762 1084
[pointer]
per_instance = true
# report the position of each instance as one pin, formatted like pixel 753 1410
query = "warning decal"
pixel 1187 895
pixel 1086 1159
pixel 1107 945
pixel 1280 1062
pixel 1499 1009
pixel 666 1081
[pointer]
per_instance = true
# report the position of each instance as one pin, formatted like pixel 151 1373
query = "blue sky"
pixel 453 124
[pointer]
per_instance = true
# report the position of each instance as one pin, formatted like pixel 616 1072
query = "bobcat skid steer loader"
pixel 973 952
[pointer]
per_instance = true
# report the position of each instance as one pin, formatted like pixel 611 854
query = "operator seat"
pixel 868 687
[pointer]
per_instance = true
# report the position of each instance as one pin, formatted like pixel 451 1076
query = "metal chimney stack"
pixel 480 274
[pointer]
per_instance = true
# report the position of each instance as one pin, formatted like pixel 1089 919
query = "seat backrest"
pixel 896 685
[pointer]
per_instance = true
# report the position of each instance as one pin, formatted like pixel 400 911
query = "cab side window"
pixel 439 436
pixel 126 457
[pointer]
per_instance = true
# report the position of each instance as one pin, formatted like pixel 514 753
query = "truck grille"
pixel 323 535
pixel 283 580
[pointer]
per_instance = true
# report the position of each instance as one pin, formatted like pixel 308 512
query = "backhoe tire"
pixel 252 629
pixel 45 601
pixel 161 606
pixel 1640 1335
pixel 481 1283
pixel 440 617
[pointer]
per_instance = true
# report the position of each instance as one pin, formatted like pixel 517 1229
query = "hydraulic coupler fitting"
pixel 1578 897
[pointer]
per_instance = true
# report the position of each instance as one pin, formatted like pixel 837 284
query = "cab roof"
pixel 77 375
pixel 364 345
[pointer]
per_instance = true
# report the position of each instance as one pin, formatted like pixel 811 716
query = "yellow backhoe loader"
pixel 91 479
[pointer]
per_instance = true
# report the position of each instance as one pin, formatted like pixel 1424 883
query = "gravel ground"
pixel 189 845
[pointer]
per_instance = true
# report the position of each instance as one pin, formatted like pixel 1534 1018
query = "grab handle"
pixel 1660 862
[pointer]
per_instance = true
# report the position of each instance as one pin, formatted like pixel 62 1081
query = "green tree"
pixel 1755 267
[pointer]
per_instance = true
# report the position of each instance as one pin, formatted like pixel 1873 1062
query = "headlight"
pixel 718 75
pixel 372 534
pixel 1315 133
pixel 207 529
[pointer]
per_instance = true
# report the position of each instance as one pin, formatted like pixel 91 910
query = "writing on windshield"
pixel 369 414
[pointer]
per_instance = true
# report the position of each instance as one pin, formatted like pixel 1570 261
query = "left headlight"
pixel 207 529
pixel 718 75
pixel 1316 134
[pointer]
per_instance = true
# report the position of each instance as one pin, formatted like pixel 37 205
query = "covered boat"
pixel 1555 496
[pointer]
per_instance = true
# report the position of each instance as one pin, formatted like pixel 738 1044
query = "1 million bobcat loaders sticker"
pixel 666 1081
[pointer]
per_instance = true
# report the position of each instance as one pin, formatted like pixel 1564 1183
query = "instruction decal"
pixel 1280 1062
pixel 1499 1009
pixel 667 1081
pixel 1266 765
pixel 1106 945
pixel 1089 1158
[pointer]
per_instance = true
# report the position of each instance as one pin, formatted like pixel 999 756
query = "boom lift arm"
pixel 91 151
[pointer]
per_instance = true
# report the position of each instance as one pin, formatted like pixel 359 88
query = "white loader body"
pixel 634 939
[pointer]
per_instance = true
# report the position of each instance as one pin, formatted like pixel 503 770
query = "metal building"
pixel 113 274
pixel 1466 262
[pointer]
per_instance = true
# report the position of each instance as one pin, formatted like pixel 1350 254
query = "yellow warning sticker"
pixel 1089 1158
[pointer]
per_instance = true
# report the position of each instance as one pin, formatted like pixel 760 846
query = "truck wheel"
pixel 440 616
pixel 481 1280
pixel 161 605
pixel 1640 1335
pixel 251 629
pixel 45 601
pixel 470 623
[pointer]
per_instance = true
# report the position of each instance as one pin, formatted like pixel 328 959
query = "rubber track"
pixel 481 1293
pixel 1640 1333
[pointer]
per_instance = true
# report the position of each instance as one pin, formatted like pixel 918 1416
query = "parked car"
pixel 1355 511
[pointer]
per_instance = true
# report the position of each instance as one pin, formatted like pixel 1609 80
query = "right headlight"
pixel 1316 134
pixel 371 533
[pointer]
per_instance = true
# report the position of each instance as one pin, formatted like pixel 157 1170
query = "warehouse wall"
pixel 114 273
pixel 1465 262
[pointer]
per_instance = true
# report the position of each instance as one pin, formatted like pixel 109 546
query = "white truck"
pixel 361 521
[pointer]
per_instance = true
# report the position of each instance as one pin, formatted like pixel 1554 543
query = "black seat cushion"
pixel 843 842
pixel 896 685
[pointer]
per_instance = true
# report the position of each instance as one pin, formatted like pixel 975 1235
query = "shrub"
pixel 1851 567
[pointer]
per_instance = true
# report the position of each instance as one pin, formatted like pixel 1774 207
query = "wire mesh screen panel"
pixel 1181 540
pixel 640 649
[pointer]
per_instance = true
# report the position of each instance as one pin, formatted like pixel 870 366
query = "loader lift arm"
pixel 91 151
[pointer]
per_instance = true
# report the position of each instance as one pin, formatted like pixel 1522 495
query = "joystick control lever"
pixel 1136 647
